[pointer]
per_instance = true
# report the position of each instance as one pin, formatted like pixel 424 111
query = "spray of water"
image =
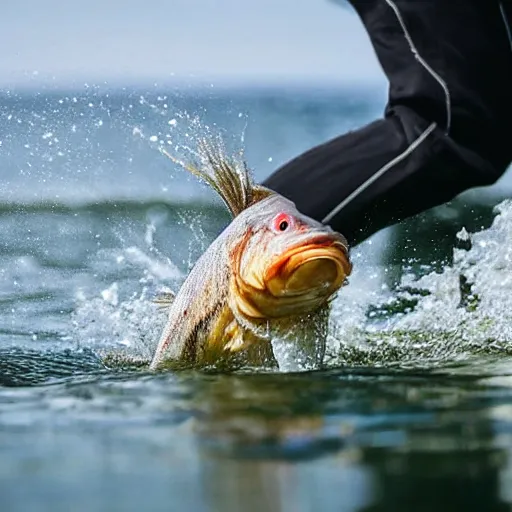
pixel 442 316
pixel 453 315
pixel 459 313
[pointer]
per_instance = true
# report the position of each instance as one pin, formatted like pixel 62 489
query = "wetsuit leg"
pixel 447 126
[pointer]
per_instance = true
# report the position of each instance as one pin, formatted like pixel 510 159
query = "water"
pixel 414 411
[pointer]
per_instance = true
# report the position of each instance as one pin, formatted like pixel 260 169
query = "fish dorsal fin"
pixel 229 177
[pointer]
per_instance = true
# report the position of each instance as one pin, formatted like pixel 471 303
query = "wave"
pixel 111 205
pixel 458 313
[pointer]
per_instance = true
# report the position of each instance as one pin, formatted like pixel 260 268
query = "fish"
pixel 271 273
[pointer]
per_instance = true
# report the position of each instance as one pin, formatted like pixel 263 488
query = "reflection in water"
pixel 348 442
pixel 282 486
pixel 260 437
pixel 454 465
pixel 444 480
pixel 362 440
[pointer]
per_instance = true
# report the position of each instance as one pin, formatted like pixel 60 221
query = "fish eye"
pixel 282 222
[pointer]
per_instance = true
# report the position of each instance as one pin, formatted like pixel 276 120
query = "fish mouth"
pixel 319 265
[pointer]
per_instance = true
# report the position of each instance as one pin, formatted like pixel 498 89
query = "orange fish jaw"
pixel 302 279
pixel 323 267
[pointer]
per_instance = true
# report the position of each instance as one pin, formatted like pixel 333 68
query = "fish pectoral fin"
pixel 238 338
pixel 164 299
pixel 234 335
pixel 252 348
pixel 230 341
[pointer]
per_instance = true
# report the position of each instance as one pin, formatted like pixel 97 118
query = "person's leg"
pixel 447 126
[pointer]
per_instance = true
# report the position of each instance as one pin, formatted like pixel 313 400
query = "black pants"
pixel 447 126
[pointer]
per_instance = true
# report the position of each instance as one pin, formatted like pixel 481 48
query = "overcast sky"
pixel 220 40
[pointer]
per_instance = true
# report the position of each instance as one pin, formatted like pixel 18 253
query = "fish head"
pixel 284 262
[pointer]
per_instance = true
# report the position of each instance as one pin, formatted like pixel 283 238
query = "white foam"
pixel 462 311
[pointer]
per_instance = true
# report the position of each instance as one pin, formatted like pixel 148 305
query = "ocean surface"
pixel 413 412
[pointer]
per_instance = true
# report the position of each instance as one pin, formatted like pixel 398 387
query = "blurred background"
pixel 68 43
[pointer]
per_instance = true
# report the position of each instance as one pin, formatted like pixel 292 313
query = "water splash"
pixel 109 322
pixel 455 314
pixel 119 317
pixel 472 297
pixel 123 317
pixel 440 317
pixel 132 323
pixel 83 147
